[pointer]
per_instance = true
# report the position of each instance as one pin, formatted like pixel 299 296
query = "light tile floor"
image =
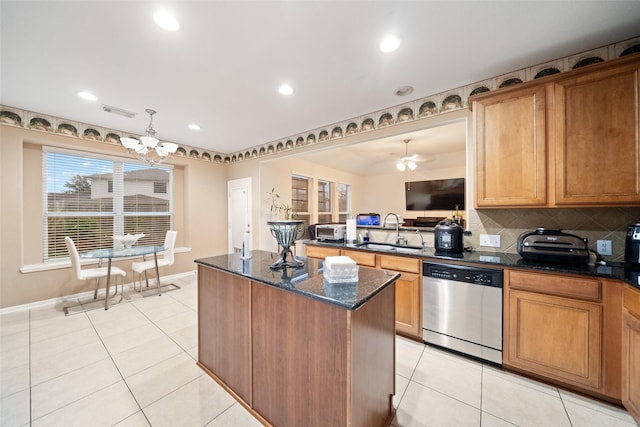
pixel 134 365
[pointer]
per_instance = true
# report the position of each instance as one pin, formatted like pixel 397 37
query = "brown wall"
pixel 200 214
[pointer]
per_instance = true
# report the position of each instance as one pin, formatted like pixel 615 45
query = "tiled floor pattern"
pixel 134 365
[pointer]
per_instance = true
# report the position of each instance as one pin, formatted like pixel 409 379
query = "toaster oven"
pixel 330 231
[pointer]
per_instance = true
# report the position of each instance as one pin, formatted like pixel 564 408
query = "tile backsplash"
pixel 592 223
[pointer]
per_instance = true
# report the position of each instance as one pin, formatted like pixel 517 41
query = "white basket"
pixel 340 269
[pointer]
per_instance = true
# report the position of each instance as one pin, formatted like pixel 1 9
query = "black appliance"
pixel 368 219
pixel 632 245
pixel 448 237
pixel 552 245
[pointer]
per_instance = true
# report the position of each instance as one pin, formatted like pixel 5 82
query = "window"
pixel 344 202
pixel 90 199
pixel 325 188
pixel 300 200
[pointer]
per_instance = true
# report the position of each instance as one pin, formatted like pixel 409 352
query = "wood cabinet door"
pixel 597 148
pixel 511 144
pixel 320 252
pixel 631 352
pixel 558 338
pixel 408 307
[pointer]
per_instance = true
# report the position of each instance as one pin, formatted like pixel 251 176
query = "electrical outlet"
pixel 490 240
pixel 603 247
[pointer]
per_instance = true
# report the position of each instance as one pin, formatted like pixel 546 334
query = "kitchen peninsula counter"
pixel 293 349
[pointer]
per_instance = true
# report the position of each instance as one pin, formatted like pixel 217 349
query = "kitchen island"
pixel 294 349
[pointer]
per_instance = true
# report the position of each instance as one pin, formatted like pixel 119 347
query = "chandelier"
pixel 148 148
pixel 407 162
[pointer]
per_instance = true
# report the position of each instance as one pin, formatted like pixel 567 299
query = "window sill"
pixel 56 265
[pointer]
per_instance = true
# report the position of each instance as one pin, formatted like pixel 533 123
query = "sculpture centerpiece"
pixel 286 231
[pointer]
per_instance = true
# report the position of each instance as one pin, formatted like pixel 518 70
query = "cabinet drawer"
pixel 361 258
pixel 564 286
pixel 398 263
pixel 631 300
pixel 321 252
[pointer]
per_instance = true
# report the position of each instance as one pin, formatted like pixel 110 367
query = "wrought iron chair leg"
pixel 95 292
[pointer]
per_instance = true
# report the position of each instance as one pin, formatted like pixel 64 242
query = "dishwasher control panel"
pixel 461 273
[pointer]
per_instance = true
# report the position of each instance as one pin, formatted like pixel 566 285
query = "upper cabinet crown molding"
pixel 567 140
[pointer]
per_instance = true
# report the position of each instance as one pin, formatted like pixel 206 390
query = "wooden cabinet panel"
pixel 224 331
pixel 408 305
pixel 361 258
pixel 320 251
pixel 511 149
pixel 596 138
pixel 399 263
pixel 631 351
pixel 558 285
pixel 556 337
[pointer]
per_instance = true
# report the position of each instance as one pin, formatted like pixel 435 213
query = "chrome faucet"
pixel 421 238
pixel 384 225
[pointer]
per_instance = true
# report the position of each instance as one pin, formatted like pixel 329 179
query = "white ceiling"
pixel 223 68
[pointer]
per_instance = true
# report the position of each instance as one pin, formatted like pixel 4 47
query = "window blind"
pixel 91 199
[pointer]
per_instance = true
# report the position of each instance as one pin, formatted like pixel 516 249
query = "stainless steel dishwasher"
pixel 462 309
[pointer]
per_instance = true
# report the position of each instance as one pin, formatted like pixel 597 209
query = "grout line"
pixel 565 408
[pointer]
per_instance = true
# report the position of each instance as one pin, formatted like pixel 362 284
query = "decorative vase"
pixel 286 232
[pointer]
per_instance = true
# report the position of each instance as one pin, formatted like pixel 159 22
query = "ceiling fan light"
pixel 401 166
pixel 412 165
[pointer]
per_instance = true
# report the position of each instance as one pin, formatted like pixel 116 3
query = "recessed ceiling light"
pixel 194 126
pixel 389 44
pixel 285 89
pixel 403 90
pixel 166 20
pixel 88 96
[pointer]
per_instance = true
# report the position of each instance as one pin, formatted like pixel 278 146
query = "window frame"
pixel 119 212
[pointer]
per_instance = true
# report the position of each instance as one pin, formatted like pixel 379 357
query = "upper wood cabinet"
pixel 596 137
pixel 570 139
pixel 511 149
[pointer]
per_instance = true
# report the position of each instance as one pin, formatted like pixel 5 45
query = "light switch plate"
pixel 490 240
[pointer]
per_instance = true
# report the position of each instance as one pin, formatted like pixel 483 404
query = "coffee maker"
pixel 632 245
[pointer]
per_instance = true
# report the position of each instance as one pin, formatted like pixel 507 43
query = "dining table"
pixel 120 252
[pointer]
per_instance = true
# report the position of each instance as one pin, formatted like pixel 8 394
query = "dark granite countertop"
pixel 306 280
pixel 510 260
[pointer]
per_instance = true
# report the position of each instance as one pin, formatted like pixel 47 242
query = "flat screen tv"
pixel 435 195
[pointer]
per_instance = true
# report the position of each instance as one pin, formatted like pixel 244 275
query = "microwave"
pixel 331 231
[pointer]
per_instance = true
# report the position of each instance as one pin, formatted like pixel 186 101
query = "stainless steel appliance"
pixel 331 231
pixel 632 245
pixel 448 237
pixel 552 245
pixel 462 309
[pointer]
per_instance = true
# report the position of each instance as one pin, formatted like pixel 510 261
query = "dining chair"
pixel 93 273
pixel 166 260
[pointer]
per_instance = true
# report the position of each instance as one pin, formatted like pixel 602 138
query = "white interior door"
pixel 239 193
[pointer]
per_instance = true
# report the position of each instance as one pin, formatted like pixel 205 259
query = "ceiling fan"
pixel 407 162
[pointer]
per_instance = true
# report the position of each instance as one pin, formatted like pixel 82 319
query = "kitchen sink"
pixel 389 247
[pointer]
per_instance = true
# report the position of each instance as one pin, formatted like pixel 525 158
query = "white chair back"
pixel 74 257
pixel 169 244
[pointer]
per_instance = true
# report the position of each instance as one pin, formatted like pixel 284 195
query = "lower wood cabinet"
pixel 408 291
pixel 631 352
pixel 565 329
pixel 408 286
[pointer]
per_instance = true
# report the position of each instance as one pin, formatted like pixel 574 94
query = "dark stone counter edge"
pixel 227 263
pixel 620 272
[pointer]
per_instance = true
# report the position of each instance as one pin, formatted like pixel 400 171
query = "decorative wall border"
pixel 450 100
